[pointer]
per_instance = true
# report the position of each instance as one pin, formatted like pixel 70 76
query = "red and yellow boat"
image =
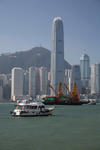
pixel 72 98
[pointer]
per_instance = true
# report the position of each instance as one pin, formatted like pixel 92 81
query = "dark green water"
pixel 70 128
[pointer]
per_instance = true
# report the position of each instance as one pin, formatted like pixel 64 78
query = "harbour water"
pixel 70 128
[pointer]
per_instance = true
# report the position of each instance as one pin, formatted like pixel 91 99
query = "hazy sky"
pixel 28 23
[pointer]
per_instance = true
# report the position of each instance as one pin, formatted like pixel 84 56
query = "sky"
pixel 25 24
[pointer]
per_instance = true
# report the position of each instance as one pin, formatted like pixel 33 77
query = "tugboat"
pixel 26 108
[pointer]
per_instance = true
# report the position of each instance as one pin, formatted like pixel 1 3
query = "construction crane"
pixel 50 86
pixel 67 89
pixel 75 92
pixel 60 91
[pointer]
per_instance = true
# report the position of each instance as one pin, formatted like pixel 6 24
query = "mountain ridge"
pixel 37 56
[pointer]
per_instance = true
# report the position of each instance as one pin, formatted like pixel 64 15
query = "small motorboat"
pixel 27 108
pixel 92 102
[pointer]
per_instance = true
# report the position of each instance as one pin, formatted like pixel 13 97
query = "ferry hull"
pixel 31 114
pixel 62 101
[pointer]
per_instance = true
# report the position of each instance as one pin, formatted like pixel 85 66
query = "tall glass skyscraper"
pixel 85 70
pixel 57 53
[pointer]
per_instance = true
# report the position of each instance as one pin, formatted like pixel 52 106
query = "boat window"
pixel 19 107
pixel 31 107
pixel 34 107
pixel 28 107
pixel 23 107
pixel 41 106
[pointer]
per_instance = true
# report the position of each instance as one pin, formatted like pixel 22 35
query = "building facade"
pixel 75 77
pixel 43 81
pixel 34 82
pixel 95 78
pixel 1 90
pixel 26 82
pixel 17 83
pixel 57 53
pixel 85 70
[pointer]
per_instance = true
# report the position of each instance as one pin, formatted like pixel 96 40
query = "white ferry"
pixel 27 108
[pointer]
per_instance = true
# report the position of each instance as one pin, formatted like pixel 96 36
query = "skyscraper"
pixel 1 89
pixel 95 78
pixel 34 82
pixel 85 70
pixel 26 82
pixel 75 77
pixel 57 53
pixel 43 80
pixel 17 83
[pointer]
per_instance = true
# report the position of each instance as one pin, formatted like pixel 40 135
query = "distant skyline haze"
pixel 25 24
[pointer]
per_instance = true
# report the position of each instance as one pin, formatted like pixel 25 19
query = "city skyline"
pixel 26 24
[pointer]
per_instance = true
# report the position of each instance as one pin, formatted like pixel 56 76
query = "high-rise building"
pixel 57 53
pixel 34 82
pixel 4 79
pixel 75 77
pixel 1 90
pixel 43 80
pixel 37 81
pixel 68 73
pixel 67 81
pixel 26 82
pixel 95 78
pixel 17 83
pixel 85 70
